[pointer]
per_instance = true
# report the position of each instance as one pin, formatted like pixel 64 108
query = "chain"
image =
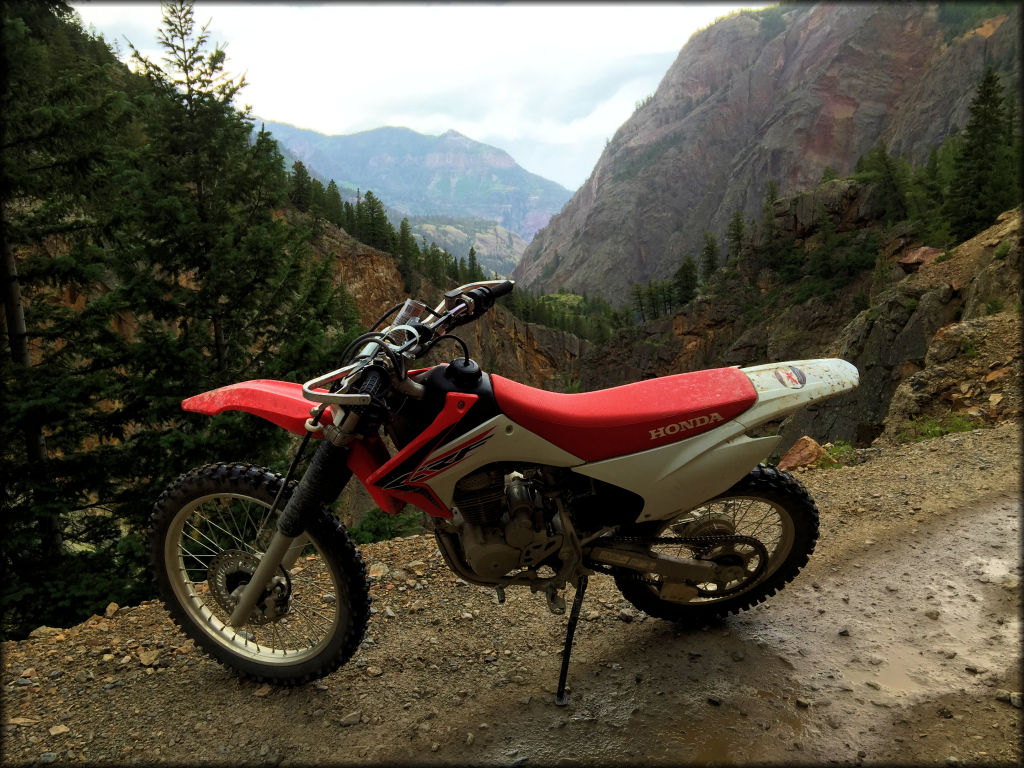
pixel 699 544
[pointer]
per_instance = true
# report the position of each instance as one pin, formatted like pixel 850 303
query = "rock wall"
pixel 747 101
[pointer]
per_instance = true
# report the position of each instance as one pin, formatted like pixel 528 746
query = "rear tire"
pixel 768 504
pixel 209 529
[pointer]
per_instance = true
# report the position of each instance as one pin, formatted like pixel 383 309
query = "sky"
pixel 547 83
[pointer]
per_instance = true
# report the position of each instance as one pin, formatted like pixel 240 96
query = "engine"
pixel 505 523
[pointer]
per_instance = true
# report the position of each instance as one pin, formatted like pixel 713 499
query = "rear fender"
pixel 785 387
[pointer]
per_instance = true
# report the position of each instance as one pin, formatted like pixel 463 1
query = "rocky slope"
pixel 779 94
pixel 958 313
pixel 944 338
pixel 447 175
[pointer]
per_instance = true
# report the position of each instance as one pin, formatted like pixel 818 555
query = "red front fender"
pixel 280 402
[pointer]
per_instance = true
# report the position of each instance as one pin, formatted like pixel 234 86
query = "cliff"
pixel 779 94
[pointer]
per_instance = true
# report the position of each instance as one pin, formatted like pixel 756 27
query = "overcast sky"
pixel 547 83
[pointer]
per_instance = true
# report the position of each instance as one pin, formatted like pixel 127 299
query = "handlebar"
pixel 460 306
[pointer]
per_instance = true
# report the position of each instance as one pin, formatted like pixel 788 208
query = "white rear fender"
pixel 785 387
pixel 681 475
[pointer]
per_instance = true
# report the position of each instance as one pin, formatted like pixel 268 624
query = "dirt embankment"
pixel 898 644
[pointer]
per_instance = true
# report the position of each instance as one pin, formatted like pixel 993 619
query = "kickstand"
pixel 574 617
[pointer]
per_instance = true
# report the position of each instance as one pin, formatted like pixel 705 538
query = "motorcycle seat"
pixel 630 418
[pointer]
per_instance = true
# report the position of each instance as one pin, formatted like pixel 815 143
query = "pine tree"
pixel 710 255
pixel 639 301
pixel 985 179
pixel 62 111
pixel 769 231
pixel 300 188
pixel 334 210
pixel 734 235
pixel 685 281
pixel 889 179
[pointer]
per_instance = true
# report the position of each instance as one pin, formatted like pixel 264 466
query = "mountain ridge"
pixel 421 175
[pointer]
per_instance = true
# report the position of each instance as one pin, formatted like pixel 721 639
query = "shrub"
pixel 993 306
pixel 1001 250
pixel 840 453
pixel 378 525
pixel 928 427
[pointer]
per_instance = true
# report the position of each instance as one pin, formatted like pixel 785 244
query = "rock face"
pixel 497 249
pixel 446 175
pixel 944 337
pixel 952 323
pixel 778 95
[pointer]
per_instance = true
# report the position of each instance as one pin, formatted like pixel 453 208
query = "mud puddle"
pixel 849 664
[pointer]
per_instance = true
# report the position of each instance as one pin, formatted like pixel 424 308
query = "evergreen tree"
pixel 62 108
pixel 769 231
pixel 639 301
pixel 334 210
pixel 474 270
pixel 170 277
pixel 710 255
pixel 735 234
pixel 986 168
pixel 889 178
pixel 685 281
pixel 300 188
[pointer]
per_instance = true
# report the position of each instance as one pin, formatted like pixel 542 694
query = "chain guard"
pixel 701 546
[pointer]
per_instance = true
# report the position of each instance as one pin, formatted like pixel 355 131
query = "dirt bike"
pixel 657 484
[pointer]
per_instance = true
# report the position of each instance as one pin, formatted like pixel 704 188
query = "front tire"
pixel 768 504
pixel 208 531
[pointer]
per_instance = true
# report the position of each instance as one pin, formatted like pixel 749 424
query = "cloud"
pixel 546 82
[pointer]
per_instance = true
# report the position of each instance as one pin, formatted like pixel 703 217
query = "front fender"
pixel 280 402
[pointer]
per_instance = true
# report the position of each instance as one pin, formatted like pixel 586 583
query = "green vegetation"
pixel 143 261
pixel 839 454
pixel 378 525
pixel 1001 250
pixel 589 318
pixel 928 427
pixel 993 306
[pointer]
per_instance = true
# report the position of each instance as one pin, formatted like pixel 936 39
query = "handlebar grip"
pixel 375 382
pixel 503 290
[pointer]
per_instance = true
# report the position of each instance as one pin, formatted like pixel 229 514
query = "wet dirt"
pixel 899 643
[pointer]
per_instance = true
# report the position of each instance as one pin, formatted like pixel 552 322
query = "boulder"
pixel 805 453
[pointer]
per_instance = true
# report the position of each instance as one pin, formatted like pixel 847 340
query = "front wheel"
pixel 208 532
pixel 767 504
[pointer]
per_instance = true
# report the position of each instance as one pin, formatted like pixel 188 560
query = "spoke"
pixel 316 627
pixel 216 548
pixel 231 535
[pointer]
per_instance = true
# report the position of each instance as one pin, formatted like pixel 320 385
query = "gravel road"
pixel 898 644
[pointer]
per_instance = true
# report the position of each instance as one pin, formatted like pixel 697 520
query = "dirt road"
pixel 899 643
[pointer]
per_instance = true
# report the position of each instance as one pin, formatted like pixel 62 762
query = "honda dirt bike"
pixel 656 484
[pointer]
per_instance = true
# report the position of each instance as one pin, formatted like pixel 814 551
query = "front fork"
pixel 327 475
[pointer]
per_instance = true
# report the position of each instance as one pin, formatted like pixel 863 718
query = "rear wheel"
pixel 769 505
pixel 209 530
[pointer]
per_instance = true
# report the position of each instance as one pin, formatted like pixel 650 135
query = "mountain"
pixel 497 249
pixel 446 175
pixel 778 94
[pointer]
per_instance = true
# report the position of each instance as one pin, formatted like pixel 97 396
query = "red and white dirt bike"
pixel 655 483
